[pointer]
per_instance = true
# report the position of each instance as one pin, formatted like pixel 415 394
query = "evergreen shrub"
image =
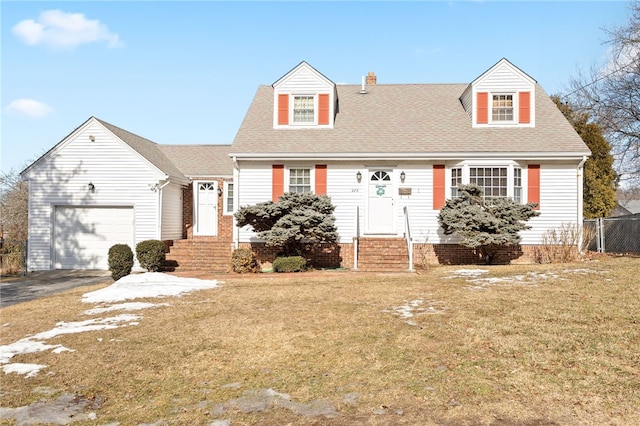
pixel 120 261
pixel 244 261
pixel 290 264
pixel 151 254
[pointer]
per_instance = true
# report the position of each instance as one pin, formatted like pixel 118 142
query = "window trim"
pixel 466 166
pixel 312 176
pixel 225 199
pixel 292 101
pixel 514 108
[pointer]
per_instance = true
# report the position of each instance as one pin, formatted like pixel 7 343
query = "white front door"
pixel 380 202
pixel 206 203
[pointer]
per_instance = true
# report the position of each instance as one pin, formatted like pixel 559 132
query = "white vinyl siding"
pixel 558 198
pixel 61 178
pixel 171 212
pixel 558 201
pixel 254 183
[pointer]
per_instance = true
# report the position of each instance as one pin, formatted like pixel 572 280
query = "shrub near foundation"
pixel 151 254
pixel 243 260
pixel 290 264
pixel 120 261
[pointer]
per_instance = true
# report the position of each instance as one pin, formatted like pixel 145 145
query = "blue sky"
pixel 186 72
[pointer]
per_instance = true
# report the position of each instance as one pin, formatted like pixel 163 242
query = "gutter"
pixel 580 196
pixel 412 156
pixel 159 189
pixel 236 200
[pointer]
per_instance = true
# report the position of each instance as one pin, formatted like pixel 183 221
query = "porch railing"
pixel 407 236
pixel 356 239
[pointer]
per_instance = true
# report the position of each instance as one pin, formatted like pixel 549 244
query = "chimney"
pixel 371 78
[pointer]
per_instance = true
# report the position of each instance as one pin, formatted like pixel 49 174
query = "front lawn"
pixel 535 344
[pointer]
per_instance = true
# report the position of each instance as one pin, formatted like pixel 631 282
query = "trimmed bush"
pixel 120 261
pixel 290 264
pixel 244 261
pixel 151 254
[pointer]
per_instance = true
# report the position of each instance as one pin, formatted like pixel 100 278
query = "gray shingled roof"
pixel 405 118
pixel 200 160
pixel 146 148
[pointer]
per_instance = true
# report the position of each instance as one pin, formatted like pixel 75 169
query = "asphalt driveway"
pixel 45 283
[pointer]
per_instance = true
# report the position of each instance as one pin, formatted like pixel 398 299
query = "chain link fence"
pixel 13 257
pixel 614 234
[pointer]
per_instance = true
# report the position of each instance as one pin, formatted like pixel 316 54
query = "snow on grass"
pixel 150 284
pixel 416 307
pixel 29 370
pixel 130 306
pixel 147 285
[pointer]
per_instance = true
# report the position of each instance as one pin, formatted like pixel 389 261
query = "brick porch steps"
pixel 383 255
pixel 199 255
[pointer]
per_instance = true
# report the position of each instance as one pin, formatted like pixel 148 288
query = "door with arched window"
pixel 380 202
pixel 206 203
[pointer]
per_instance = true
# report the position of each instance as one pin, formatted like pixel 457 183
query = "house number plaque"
pixel 404 191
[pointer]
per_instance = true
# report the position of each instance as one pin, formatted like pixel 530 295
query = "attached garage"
pixel 82 236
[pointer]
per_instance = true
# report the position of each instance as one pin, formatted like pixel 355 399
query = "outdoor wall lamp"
pixel 219 192
pixel 403 176
pixel 92 187
pixel 359 176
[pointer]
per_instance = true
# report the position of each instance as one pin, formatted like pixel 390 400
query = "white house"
pixel 388 155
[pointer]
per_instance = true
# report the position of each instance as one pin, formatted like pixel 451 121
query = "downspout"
pixel 236 200
pixel 579 213
pixel 159 189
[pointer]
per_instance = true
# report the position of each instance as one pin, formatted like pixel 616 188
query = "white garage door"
pixel 84 235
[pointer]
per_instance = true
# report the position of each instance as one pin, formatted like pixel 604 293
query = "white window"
pixel 300 180
pixel 517 185
pixel 502 108
pixel 456 180
pixel 492 180
pixel 304 110
pixel 496 182
pixel 228 198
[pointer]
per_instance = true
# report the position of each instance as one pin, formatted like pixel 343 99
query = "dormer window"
pixel 503 96
pixel 303 110
pixel 502 108
pixel 304 98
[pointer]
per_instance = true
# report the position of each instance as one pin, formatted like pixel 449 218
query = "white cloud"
pixel 61 30
pixel 29 107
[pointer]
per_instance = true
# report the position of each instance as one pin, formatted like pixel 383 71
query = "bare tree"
pixel 610 94
pixel 14 202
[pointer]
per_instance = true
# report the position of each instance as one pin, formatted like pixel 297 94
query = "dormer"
pixel 304 98
pixel 504 96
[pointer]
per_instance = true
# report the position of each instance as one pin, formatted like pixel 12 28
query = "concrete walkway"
pixel 45 283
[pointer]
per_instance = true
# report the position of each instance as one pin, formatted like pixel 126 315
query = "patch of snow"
pixel 33 343
pixel 29 370
pixel 469 273
pixel 415 307
pixel 149 284
pixel 130 306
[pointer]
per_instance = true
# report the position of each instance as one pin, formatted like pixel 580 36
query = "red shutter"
pixel 534 184
pixel 525 107
pixel 482 112
pixel 283 109
pixel 323 109
pixel 438 186
pixel 277 181
pixel 321 179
